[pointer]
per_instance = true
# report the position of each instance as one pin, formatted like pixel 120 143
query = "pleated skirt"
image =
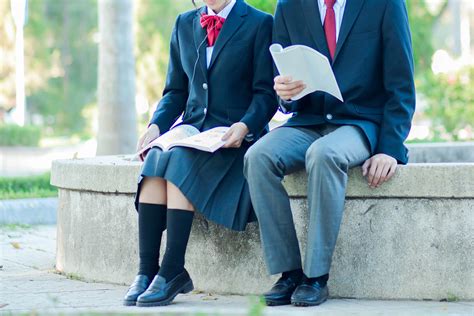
pixel 213 182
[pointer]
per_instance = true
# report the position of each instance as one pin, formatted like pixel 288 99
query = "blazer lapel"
pixel 351 12
pixel 200 40
pixel 231 25
pixel 313 19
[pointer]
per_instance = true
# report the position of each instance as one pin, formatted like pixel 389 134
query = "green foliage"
pixel 422 22
pixel 264 5
pixel 26 187
pixel 14 135
pixel 61 61
pixel 451 102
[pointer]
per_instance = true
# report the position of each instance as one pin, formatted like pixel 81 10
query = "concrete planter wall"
pixel 411 239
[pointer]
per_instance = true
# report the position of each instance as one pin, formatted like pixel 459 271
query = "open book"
pixel 188 136
pixel 308 65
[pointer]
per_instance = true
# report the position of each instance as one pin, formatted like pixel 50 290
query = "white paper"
pixel 308 65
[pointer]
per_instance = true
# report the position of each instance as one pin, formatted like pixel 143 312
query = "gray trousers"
pixel 327 152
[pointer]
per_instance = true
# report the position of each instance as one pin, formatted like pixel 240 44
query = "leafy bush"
pixel 14 135
pixel 450 102
pixel 26 187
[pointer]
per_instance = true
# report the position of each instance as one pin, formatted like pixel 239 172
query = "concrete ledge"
pixel 115 174
pixel 441 152
pixel 411 239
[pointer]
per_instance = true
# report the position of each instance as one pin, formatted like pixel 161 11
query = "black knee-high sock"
pixel 151 224
pixel 179 224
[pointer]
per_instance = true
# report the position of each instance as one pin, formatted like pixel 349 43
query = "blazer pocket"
pixel 368 109
pixel 235 114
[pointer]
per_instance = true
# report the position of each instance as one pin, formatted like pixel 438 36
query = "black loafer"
pixel 281 292
pixel 138 287
pixel 310 293
pixel 161 293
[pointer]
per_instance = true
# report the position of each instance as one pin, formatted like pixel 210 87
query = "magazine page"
pixel 166 140
pixel 210 140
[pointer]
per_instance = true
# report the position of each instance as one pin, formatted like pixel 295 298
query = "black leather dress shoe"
pixel 160 292
pixel 310 293
pixel 139 285
pixel 281 292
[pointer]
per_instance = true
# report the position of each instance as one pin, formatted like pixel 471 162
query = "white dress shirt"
pixel 224 14
pixel 338 10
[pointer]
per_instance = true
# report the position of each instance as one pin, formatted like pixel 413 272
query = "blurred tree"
pixel 117 113
pixel 61 61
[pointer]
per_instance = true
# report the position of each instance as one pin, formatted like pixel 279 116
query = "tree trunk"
pixel 116 85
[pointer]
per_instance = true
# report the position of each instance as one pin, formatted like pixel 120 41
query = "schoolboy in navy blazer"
pixel 369 45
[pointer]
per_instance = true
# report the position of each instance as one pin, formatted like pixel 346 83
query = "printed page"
pixel 209 141
pixel 308 65
pixel 166 140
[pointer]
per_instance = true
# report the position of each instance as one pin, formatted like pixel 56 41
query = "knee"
pixel 320 154
pixel 257 158
pixel 152 190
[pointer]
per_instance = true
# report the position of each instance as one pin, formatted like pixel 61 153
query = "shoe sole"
pixel 308 303
pixel 277 303
pixel 129 303
pixel 188 287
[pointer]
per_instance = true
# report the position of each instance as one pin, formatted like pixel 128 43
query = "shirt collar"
pixel 339 3
pixel 224 12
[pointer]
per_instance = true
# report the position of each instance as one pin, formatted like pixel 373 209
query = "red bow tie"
pixel 213 24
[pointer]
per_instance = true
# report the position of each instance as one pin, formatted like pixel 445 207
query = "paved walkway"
pixel 29 283
pixel 34 211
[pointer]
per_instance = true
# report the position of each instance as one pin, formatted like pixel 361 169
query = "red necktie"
pixel 330 26
pixel 213 24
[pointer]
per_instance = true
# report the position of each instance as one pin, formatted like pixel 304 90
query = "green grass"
pixel 26 187
pixel 13 227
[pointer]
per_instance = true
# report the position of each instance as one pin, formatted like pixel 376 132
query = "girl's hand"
pixel 151 134
pixel 235 135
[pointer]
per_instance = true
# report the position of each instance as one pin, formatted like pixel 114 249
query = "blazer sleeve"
pixel 175 94
pixel 282 37
pixel 398 73
pixel 264 104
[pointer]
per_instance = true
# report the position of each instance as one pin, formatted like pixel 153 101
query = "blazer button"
pixel 205 110
pixel 204 86
pixel 329 116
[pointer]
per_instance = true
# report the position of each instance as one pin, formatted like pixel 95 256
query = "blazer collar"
pixel 231 25
pixel 351 12
pixel 313 19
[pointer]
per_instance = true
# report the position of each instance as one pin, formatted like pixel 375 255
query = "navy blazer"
pixel 238 86
pixel 373 65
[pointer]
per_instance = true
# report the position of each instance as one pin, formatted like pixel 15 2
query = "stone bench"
pixel 413 238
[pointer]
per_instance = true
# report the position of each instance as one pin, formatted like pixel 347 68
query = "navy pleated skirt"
pixel 213 182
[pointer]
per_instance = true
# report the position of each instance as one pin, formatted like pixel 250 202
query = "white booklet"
pixel 188 136
pixel 308 65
